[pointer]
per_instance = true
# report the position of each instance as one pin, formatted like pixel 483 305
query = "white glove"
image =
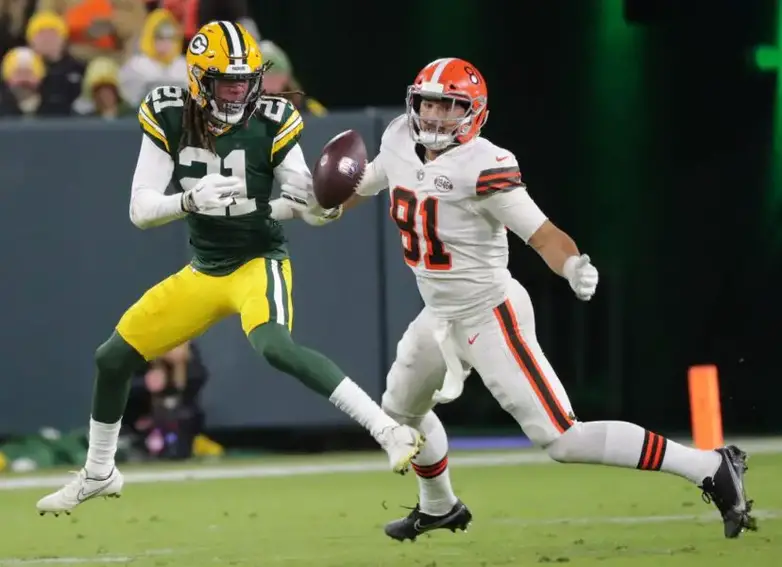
pixel 213 191
pixel 581 275
pixel 305 207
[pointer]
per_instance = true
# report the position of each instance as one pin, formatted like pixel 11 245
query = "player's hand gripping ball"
pixel 339 169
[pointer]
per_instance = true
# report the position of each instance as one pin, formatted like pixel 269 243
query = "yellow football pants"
pixel 186 304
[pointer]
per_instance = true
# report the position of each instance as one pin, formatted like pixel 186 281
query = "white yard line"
pixel 108 559
pixel 629 520
pixel 526 457
pixel 260 471
pixel 92 560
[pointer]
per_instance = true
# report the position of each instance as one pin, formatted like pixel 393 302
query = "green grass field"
pixel 525 514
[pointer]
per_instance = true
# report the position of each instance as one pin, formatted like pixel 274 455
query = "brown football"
pixel 339 169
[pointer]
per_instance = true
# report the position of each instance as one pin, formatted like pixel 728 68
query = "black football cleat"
pixel 726 490
pixel 417 523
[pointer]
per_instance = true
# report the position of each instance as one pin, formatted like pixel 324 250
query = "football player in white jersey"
pixel 453 193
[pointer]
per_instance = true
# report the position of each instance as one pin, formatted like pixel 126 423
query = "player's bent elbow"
pixel 139 221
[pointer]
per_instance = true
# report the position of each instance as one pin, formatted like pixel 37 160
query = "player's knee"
pixel 117 357
pixel 274 343
pixel 389 408
pixel 561 447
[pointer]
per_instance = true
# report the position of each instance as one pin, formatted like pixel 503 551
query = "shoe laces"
pixel 414 510
pixel 72 488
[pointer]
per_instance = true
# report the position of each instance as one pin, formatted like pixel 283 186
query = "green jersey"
pixel 224 239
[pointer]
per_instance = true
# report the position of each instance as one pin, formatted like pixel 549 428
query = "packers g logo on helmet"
pixel 199 44
pixel 224 57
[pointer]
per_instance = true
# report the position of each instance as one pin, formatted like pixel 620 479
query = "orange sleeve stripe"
pixel 497 179
pixel 497 187
pixel 495 172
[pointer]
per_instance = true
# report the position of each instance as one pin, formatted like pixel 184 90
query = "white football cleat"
pixel 402 443
pixel 81 489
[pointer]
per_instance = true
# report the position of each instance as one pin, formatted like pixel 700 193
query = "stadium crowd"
pixel 101 57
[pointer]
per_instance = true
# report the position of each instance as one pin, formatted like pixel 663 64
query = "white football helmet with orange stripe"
pixel 455 81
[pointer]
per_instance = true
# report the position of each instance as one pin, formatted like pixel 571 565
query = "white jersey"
pixel 455 245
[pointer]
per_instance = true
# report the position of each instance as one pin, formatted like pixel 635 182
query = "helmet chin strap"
pixel 434 141
pixel 232 118
pixel 438 141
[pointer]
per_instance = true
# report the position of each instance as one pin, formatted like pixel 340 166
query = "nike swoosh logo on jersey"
pixel 503 158
pixel 472 338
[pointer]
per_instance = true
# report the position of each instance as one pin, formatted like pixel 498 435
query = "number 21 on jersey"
pixel 406 210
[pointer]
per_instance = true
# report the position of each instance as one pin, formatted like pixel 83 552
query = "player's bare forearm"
pixel 554 246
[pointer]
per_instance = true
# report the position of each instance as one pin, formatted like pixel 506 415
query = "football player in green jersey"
pixel 222 144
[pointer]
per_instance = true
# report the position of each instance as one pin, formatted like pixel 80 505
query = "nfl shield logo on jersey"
pixel 442 183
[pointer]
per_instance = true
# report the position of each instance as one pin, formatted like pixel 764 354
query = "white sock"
pixel 102 448
pixel 623 444
pixel 694 464
pixel 436 496
pixel 352 400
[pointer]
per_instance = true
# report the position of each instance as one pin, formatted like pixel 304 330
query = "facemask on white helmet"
pixel 436 120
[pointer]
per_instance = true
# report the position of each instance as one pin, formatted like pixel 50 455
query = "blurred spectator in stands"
pixel 101 89
pixel 192 14
pixel 14 15
pixel 47 34
pixel 279 80
pixel 22 71
pixel 99 27
pixel 164 414
pixel 160 61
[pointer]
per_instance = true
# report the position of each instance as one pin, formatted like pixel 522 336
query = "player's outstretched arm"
pixel 561 254
pixel 295 179
pixel 297 200
pixel 372 182
pixel 515 208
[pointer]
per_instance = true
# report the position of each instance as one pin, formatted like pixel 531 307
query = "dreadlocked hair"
pixel 195 127
pixel 289 95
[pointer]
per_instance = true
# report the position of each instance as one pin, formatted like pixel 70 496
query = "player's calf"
pixel 320 374
pixel 436 496
pixel 720 473
pixel 79 490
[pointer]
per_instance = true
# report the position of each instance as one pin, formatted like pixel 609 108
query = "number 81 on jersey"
pixel 406 210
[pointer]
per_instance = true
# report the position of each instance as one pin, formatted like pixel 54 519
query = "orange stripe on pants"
pixel 529 366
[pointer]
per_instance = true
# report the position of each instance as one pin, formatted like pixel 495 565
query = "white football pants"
pixel 500 344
